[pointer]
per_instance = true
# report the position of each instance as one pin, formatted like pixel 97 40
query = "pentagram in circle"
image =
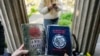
pixel 59 41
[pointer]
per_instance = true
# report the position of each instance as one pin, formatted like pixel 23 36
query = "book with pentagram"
pixel 33 38
pixel 58 40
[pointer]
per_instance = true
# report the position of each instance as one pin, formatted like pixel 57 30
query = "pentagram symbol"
pixel 59 41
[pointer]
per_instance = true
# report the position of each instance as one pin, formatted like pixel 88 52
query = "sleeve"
pixel 43 9
pixel 7 54
pixel 2 39
pixel 60 5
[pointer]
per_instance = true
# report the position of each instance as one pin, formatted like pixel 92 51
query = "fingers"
pixel 21 47
pixel 20 52
pixel 23 51
pixel 65 54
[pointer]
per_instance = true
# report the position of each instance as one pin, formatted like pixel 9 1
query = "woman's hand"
pixel 50 7
pixel 20 51
pixel 55 6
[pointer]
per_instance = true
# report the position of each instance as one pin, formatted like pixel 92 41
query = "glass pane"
pixel 35 16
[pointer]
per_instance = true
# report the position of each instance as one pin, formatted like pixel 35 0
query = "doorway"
pixel 65 16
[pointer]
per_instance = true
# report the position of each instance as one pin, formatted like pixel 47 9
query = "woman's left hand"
pixel 20 51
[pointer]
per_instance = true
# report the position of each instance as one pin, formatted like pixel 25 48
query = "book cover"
pixel 33 38
pixel 59 42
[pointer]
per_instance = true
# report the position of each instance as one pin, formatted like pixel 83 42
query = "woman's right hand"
pixel 50 7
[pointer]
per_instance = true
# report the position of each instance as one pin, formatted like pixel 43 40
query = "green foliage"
pixel 64 22
pixel 66 19
pixel 32 10
pixel 67 16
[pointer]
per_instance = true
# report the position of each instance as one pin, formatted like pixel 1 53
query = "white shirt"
pixel 44 10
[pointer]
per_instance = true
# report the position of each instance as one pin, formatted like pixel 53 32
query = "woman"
pixel 50 10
